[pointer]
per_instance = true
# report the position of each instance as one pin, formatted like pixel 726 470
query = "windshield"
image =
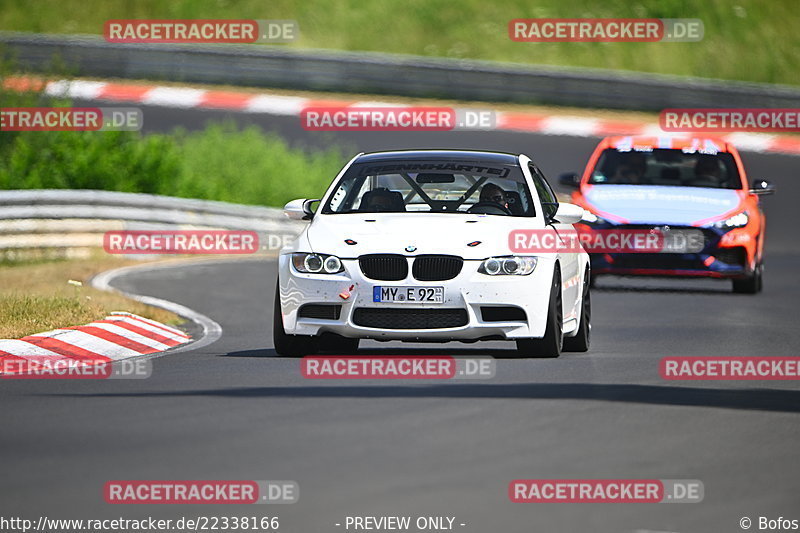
pixel 432 186
pixel 667 167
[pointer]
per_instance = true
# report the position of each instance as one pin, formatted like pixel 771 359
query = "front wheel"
pixel 581 341
pixel 550 345
pixel 752 284
pixel 289 345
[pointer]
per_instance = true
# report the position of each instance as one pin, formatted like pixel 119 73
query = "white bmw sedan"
pixel 414 246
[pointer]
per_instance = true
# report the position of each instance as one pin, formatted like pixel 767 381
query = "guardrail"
pixel 64 219
pixel 276 67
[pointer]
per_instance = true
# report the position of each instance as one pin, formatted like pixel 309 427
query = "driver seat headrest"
pixel 382 200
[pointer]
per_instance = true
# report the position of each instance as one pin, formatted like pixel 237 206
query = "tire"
pixel 289 345
pixel 752 284
pixel 581 341
pixel 551 344
pixel 337 345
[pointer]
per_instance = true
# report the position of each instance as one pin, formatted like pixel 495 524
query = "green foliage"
pixel 120 161
pixel 220 162
pixel 249 166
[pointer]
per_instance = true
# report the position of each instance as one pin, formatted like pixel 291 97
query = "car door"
pixel 570 275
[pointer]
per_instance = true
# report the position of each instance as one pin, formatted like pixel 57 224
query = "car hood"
pixel 415 233
pixel 652 204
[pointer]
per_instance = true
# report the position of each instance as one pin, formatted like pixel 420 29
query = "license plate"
pixel 405 295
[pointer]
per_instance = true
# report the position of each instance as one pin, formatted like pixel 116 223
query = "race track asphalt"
pixel 232 410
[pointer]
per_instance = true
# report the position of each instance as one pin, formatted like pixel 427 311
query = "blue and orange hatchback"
pixel 676 184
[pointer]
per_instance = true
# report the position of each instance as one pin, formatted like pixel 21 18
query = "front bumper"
pixel 461 317
pixel 729 254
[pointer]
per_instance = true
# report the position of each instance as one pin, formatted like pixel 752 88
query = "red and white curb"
pixel 244 102
pixel 119 336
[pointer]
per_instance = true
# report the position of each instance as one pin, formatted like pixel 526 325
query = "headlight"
pixel 736 221
pixel 510 265
pixel 317 263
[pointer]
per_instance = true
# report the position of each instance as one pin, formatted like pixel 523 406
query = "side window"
pixel 546 194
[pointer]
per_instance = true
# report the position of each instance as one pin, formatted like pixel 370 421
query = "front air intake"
pixel 502 314
pixel 320 311
pixel 394 318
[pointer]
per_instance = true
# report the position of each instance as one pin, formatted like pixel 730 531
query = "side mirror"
pixel 570 179
pixel 568 214
pixel 762 187
pixel 299 209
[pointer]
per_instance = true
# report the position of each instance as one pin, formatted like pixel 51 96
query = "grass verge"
pixel 747 40
pixel 37 297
